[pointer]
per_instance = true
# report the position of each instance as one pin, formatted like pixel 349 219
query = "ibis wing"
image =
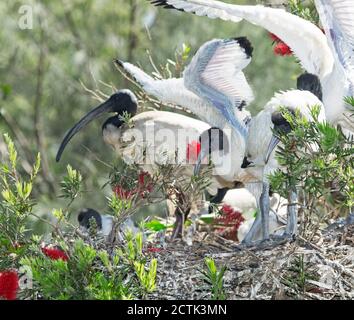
pixel 306 40
pixel 196 8
pixel 337 17
pixel 166 90
pixel 215 75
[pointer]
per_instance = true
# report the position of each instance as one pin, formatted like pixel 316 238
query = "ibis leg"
pixel 291 227
pixel 253 231
pixel 350 218
pixel 265 208
pixel 262 219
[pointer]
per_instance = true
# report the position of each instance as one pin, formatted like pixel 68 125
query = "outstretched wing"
pixel 306 40
pixel 166 90
pixel 215 74
pixel 195 8
pixel 337 17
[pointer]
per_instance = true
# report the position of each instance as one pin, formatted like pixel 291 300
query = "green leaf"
pixel 6 91
pixel 155 225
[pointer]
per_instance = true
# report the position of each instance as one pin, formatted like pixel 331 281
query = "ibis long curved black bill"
pixel 105 107
pixel 272 145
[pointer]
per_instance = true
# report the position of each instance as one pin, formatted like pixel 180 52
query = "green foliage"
pixel 6 91
pixel 299 274
pixel 16 206
pixel 304 10
pixel 71 185
pixel 349 100
pixel 215 279
pixel 85 269
pixel 133 249
pixel 119 206
pixel 147 278
pixel 92 273
pixel 76 278
pixel 174 68
pixel 156 225
pixel 126 118
pixel 317 160
pixel 75 51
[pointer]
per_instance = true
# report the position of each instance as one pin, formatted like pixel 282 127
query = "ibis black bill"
pixel 273 143
pixel 108 106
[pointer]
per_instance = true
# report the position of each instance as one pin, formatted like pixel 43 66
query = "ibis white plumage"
pixel 150 139
pixel 214 88
pixel 329 56
pixel 205 80
pixel 261 143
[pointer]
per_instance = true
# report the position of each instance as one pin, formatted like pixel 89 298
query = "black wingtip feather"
pixel 119 63
pixel 164 4
pixel 246 45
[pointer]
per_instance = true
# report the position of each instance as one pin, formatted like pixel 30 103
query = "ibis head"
pixel 305 82
pixel 120 102
pixel 281 127
pixel 310 82
pixel 85 217
pixel 213 139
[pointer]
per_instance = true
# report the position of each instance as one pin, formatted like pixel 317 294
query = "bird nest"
pixel 297 270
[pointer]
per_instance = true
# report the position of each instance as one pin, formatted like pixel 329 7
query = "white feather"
pixel 332 60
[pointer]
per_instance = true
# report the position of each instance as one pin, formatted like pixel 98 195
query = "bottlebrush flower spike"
pixel 282 49
pixel 123 194
pixel 193 150
pixel 231 221
pixel 144 182
pixel 153 250
pixel 9 285
pixel 55 254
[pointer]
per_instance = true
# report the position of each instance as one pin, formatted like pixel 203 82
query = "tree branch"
pixel 37 119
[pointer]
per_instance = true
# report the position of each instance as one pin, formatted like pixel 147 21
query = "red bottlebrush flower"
pixel 143 187
pixel 230 221
pixel 153 250
pixel 144 182
pixel 55 254
pixel 193 150
pixel 121 193
pixel 274 37
pixel 282 49
pixel 9 285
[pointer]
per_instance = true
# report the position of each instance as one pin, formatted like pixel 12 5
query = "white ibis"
pixel 214 88
pixel 329 56
pixel 150 139
pixel 260 160
pixel 261 142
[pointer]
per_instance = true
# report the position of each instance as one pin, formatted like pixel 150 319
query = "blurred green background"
pixel 75 41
